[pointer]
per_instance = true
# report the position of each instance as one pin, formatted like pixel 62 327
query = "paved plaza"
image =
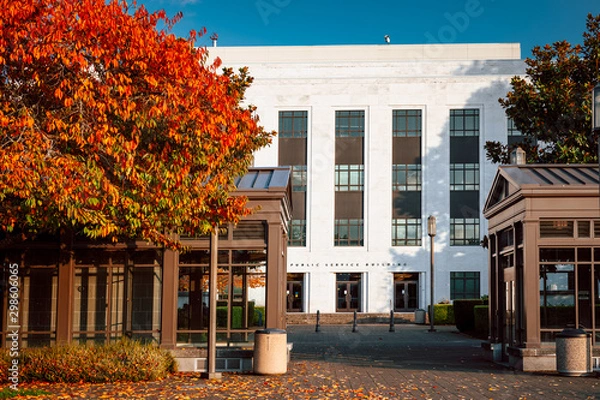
pixel 414 363
pixel 371 363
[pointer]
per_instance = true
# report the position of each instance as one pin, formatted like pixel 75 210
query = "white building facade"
pixel 379 138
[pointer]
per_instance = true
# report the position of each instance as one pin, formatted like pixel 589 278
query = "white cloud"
pixel 186 2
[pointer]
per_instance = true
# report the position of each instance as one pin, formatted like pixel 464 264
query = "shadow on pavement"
pixel 408 347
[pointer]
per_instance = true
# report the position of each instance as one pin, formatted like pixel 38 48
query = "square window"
pixel 349 177
pixel 293 124
pixel 350 123
pixel 464 232
pixel 464 122
pixel 406 123
pixel 406 232
pixel 348 232
pixel 464 285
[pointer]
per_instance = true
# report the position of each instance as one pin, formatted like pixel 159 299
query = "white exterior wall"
pixel 379 79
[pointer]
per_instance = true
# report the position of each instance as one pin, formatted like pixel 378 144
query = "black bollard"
pixel 392 329
pixel 318 327
pixel 354 323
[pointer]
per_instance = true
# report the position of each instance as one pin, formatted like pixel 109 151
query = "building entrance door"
pixel 294 292
pixel 348 292
pixel 406 292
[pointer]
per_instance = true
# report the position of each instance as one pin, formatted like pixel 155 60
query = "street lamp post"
pixel 431 232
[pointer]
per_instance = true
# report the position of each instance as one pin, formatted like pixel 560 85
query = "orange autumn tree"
pixel 113 127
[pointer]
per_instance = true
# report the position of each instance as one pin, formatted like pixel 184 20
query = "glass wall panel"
pixel 557 296
pixel 584 296
pixel 38 304
pixel 241 296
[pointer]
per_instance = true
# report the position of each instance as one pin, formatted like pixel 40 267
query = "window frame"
pixel 293 116
pixel 294 240
pixel 348 225
pixel 349 177
pixel 344 127
pixel 460 122
pixel 408 240
pixel 465 223
pixel 401 123
pixel 470 176
pixel 411 180
pixel 465 277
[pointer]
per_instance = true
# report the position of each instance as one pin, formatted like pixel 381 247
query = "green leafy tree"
pixel 551 106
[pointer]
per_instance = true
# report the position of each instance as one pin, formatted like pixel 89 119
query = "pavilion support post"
pixel 212 307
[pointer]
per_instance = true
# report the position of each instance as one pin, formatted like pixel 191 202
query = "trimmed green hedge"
pixel 122 361
pixel 256 314
pixel 480 313
pixel 464 314
pixel 443 314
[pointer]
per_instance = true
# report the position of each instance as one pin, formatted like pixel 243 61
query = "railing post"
pixel 354 323
pixel 392 328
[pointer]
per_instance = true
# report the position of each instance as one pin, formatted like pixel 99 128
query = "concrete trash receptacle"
pixel 574 352
pixel 419 316
pixel 270 352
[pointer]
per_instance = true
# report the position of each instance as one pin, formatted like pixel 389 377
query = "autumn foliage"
pixel 114 128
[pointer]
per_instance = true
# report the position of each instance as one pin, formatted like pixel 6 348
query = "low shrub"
pixel 443 314
pixel 121 361
pixel 255 316
pixel 464 315
pixel 481 321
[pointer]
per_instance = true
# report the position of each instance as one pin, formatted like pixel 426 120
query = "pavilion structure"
pixel 544 260
pixel 73 289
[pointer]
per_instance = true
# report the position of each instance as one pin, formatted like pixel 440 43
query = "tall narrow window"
pixel 464 177
pixel 293 132
pixel 349 177
pixel 406 177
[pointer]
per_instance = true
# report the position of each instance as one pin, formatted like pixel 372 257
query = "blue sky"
pixel 325 22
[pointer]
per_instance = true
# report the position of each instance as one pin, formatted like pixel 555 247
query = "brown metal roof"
pixel 511 180
pixel 264 179
pixel 550 174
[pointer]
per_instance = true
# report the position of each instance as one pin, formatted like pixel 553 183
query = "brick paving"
pixel 414 363
pixel 372 363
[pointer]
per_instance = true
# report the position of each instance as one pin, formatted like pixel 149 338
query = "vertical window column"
pixel 464 177
pixel 349 178
pixel 293 131
pixel 406 177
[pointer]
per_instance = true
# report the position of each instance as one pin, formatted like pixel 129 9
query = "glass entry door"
pixel 406 292
pixel 348 292
pixel 294 292
pixel 510 333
